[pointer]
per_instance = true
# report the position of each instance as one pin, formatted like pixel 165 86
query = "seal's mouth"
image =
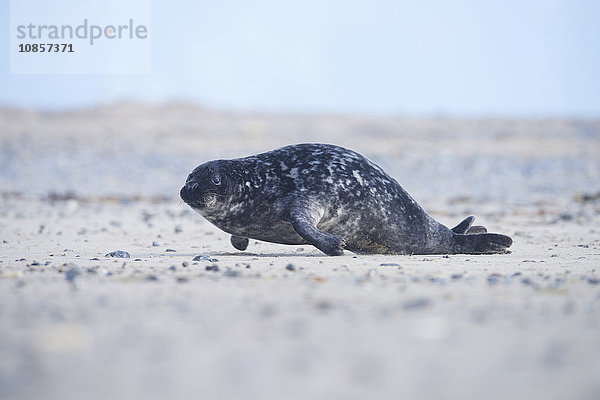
pixel 192 197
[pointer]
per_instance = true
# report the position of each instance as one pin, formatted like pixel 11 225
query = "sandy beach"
pixel 287 322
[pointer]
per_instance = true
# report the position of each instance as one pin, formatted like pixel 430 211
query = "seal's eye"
pixel 216 180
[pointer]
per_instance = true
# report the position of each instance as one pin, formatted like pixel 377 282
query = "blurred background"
pixel 489 99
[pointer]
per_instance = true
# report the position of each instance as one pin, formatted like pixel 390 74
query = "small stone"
pixel 178 229
pixel 182 279
pixel 213 268
pixel 155 244
pixel 94 259
pixel 35 263
pixel 152 278
pixel 203 257
pixel 47 263
pixel 184 264
pixel 72 273
pixel 416 303
pixel 138 259
pixel 171 250
pixel 435 279
pixel 172 268
pixel 493 279
pixel 565 217
pixel 594 281
pixel 290 267
pixel 231 273
pixel 389 265
pixel 456 276
pixel 529 282
pixel 118 254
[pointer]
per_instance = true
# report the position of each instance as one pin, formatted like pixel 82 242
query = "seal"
pixel 327 196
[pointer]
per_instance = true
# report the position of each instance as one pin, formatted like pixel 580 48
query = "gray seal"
pixel 327 196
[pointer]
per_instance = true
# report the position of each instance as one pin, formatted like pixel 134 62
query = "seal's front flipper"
pixel 239 242
pixel 330 244
pixel 464 226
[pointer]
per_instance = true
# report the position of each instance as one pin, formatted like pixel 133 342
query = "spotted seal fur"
pixel 327 196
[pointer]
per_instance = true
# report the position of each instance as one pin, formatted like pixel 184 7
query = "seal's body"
pixel 327 196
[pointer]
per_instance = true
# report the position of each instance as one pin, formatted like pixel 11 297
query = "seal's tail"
pixel 482 243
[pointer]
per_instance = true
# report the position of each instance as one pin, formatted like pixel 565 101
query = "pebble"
pixel 564 217
pixel 184 264
pixel 171 250
pixel 155 244
pixel 389 265
pixel 416 303
pixel 213 268
pixel 72 273
pixel 203 257
pixel 118 254
pixel 290 267
pixel 435 279
pixel 529 282
pixel 231 273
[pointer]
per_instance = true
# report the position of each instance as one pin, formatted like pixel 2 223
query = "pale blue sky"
pixel 454 58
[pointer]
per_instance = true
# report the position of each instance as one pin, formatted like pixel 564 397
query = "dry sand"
pixel 286 322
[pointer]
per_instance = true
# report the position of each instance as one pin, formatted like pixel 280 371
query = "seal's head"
pixel 208 186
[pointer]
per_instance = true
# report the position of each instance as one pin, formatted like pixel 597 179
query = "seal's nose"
pixel 187 192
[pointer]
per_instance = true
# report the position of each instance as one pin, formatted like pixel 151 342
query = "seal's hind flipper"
pixel 475 229
pixel 464 226
pixel 239 242
pixel 482 243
